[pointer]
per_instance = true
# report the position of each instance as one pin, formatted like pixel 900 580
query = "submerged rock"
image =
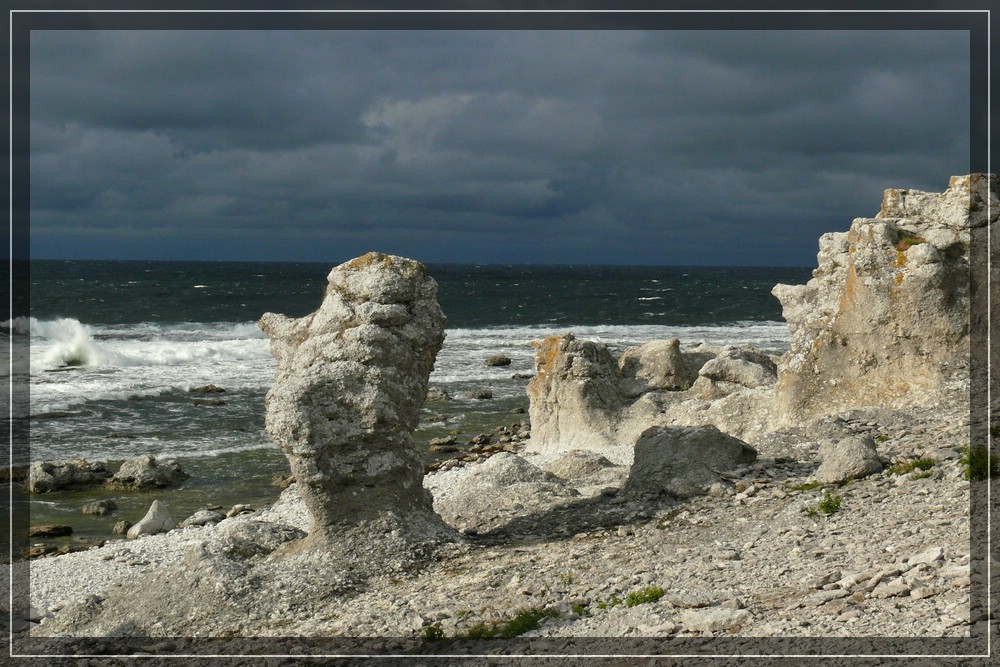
pixel 350 382
pixel 100 507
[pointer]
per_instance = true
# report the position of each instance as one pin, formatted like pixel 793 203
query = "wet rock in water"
pixel 121 527
pixel 208 389
pixel 350 382
pixel 683 461
pixel 497 360
pixel 443 445
pixel 157 520
pixel 848 458
pixel 50 530
pixel 481 394
pixel 145 472
pixel 202 517
pixel 437 395
pixel 885 319
pixel 522 376
pixel 100 507
pixel 208 402
pixel 49 476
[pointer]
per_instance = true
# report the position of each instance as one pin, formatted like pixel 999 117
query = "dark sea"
pixel 116 347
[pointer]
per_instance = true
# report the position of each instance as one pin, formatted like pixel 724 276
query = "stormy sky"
pixel 562 147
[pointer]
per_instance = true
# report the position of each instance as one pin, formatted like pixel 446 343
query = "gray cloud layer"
pixel 478 146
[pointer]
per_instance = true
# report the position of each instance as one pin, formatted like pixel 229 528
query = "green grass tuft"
pixel 829 504
pixel 525 620
pixel 909 466
pixel 651 594
pixel 979 464
pixel 432 633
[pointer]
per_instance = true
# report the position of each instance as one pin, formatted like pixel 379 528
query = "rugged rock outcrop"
pixel 736 367
pixel 885 319
pixel 145 472
pixel 350 381
pixel 48 476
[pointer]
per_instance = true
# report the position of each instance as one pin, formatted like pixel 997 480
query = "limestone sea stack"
pixel 885 319
pixel 351 379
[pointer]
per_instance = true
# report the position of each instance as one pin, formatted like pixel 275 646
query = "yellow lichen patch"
pixel 899 278
pixel 900 259
pixel 369 259
pixel 548 350
pixel 849 295
pixel 908 240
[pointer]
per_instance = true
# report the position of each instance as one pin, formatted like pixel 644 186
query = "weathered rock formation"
pixel 48 476
pixel 145 472
pixel 584 398
pixel 885 319
pixel 350 381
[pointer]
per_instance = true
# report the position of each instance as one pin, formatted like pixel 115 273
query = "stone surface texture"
pixel 145 472
pixel 350 382
pixel 885 318
pixel 156 520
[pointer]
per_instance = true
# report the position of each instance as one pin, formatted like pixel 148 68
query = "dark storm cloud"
pixel 617 146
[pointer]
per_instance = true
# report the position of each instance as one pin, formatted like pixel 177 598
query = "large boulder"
pixel 145 472
pixel 489 493
pixel 847 458
pixel 48 476
pixel 683 461
pixel 885 319
pixel 350 382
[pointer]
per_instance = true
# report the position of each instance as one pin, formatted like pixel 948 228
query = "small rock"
pixel 100 507
pixel 239 509
pixel 498 360
pixel 121 527
pixel 930 556
pixel 50 530
pixel 715 619
pixel 208 389
pixel 208 402
pixel 481 394
pixel 202 517
pixel 894 588
pixel 157 520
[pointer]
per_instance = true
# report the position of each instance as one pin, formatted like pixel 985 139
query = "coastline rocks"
pixel 100 507
pixel 481 394
pixel 50 530
pixel 121 527
pixel 683 461
pixel 848 458
pixel 207 389
pixel 885 319
pixel 487 494
pixel 735 367
pixel 497 360
pixel 658 364
pixel 49 476
pixel 156 520
pixel 145 472
pixel 350 382
pixel 202 517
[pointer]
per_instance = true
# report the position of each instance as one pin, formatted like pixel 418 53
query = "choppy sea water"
pixel 114 349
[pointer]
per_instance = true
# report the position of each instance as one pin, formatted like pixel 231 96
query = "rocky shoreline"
pixel 661 493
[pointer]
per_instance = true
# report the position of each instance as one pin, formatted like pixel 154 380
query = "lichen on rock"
pixel 350 381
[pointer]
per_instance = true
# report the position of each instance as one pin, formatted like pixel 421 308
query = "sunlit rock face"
pixel 885 319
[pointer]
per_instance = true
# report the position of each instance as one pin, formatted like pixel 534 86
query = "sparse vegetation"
pixel 805 486
pixel 881 437
pixel 525 620
pixel 829 503
pixel 651 594
pixel 580 608
pixel 979 464
pixel 432 633
pixel 905 467
pixel 566 578
pixel 611 603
